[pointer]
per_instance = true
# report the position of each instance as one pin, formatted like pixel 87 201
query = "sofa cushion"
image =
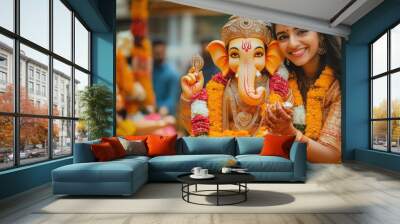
pixel 161 145
pixel 103 152
pixel 134 147
pixel 257 163
pixel 277 145
pixel 116 145
pixel 249 145
pixel 208 145
pixel 131 158
pixel 112 171
pixel 83 153
pixel 185 163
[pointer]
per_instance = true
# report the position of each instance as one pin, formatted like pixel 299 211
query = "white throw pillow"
pixel 134 147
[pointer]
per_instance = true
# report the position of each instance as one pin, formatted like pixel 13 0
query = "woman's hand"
pixel 191 83
pixel 279 119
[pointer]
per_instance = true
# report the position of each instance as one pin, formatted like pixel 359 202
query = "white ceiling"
pixel 315 15
pixel 320 9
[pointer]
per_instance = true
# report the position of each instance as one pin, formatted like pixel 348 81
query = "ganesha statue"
pixel 251 75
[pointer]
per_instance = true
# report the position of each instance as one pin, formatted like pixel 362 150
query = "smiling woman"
pixel 313 59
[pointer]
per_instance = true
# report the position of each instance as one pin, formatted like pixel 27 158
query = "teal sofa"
pixel 125 176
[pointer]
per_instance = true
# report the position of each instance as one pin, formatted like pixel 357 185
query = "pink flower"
pixel 200 125
pixel 279 85
pixel 202 95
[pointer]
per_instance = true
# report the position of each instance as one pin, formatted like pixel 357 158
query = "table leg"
pixel 217 194
pixel 245 193
pixel 196 188
pixel 188 189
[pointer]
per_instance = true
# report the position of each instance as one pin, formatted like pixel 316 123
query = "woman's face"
pixel 298 45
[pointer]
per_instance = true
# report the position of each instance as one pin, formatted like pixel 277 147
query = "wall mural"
pixel 251 78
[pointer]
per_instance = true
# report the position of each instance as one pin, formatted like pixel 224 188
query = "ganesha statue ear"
pixel 273 58
pixel 218 53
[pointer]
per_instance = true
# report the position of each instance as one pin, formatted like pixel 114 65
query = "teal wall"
pixel 103 64
pixel 356 86
pixel 99 15
pixel 24 178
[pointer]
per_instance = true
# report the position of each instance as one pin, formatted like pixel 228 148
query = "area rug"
pixel 166 198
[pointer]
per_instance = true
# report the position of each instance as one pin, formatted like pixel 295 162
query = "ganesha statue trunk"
pixel 246 82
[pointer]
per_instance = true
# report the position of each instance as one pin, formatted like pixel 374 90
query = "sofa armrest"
pixel 298 155
pixel 83 152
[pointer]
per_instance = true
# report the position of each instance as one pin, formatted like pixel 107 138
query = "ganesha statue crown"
pixel 244 27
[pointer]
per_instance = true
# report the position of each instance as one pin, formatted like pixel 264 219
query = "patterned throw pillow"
pixel 134 147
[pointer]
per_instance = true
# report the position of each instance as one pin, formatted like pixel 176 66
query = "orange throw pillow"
pixel 103 152
pixel 136 137
pixel 277 145
pixel 161 145
pixel 116 145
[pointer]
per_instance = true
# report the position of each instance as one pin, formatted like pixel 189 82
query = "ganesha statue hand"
pixel 234 100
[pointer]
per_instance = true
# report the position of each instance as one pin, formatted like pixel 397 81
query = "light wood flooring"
pixel 377 188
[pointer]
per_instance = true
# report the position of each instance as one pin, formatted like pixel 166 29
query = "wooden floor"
pixel 377 188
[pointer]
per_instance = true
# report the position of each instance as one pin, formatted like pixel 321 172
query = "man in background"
pixel 165 80
pixel 209 69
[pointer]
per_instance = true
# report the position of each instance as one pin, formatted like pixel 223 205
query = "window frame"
pixel 16 115
pixel 388 74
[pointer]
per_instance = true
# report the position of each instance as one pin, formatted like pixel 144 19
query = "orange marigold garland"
pixel 215 90
pixel 315 97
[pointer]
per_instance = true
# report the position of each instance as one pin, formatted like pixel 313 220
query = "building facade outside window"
pixel 3 72
pixel 45 99
pixel 385 94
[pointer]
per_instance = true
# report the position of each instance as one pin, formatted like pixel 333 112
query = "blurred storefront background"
pixel 156 41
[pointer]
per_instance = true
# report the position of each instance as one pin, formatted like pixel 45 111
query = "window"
pixel 3 78
pixel 30 87
pixel 37 74
pixel 38 89
pixel 30 72
pixel 44 91
pixel 3 72
pixel 7 89
pixel 34 22
pixel 62 75
pixel 385 95
pixel 44 74
pixel 62 29
pixel 3 61
pixel 3 81
pixel 81 45
pixel 7 14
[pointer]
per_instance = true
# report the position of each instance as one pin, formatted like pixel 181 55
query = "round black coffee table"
pixel 238 179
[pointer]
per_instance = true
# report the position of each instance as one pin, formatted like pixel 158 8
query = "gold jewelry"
pixel 240 27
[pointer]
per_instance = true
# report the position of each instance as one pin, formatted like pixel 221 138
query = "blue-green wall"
pixel 99 15
pixel 24 178
pixel 356 86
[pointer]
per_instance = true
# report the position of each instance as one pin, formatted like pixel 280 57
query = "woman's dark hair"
pixel 332 56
